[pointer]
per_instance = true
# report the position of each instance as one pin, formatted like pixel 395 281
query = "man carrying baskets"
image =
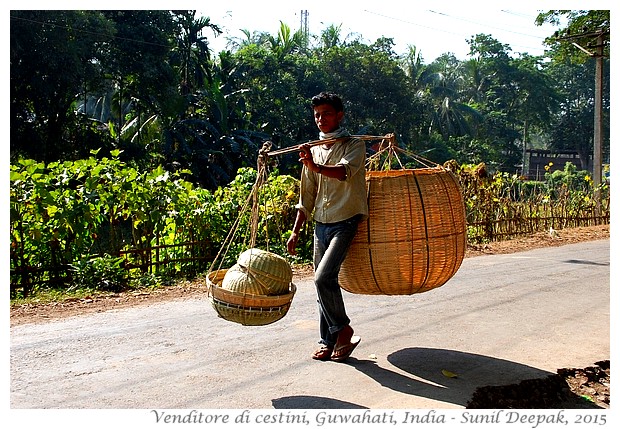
pixel 333 194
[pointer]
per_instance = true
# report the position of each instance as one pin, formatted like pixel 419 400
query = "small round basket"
pixel 246 308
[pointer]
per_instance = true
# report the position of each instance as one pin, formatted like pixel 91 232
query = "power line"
pixel 412 23
pixel 459 34
pixel 486 25
pixel 523 15
pixel 92 33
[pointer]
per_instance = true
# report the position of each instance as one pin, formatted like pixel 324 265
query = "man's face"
pixel 327 118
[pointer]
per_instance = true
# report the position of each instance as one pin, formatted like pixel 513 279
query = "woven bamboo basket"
pixel 414 239
pixel 246 308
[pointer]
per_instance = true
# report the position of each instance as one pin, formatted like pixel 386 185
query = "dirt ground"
pixel 589 385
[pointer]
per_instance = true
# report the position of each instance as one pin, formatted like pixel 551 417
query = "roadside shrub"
pixel 103 273
pixel 69 214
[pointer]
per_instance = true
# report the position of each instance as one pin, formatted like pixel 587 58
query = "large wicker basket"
pixel 414 239
pixel 245 308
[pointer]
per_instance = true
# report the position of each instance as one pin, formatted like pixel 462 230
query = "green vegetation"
pixel 70 221
pixel 147 83
pixel 133 147
pixel 502 206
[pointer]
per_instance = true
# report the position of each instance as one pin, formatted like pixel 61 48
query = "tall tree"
pixel 191 54
pixel 581 43
pixel 138 64
pixel 330 37
pixel 572 127
pixel 374 86
pixel 286 42
pixel 493 85
pixel 54 56
pixel 535 101
pixel 576 27
pixel 421 78
pixel 451 116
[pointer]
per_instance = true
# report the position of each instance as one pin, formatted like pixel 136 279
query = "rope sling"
pixel 258 289
pixel 413 240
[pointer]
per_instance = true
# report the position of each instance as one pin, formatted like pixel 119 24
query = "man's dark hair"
pixel 330 98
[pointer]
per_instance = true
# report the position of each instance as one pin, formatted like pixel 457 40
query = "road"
pixel 499 320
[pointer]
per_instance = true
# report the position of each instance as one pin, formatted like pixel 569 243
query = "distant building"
pixel 537 159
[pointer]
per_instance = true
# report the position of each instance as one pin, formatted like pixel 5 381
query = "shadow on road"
pixel 426 373
pixel 312 402
pixel 445 375
pixel 584 262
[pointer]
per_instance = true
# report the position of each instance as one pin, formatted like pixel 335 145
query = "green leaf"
pixel 51 210
pixel 15 176
pixel 448 374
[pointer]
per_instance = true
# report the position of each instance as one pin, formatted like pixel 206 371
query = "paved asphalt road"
pixel 499 320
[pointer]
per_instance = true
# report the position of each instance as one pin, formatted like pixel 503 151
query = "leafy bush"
pixel 105 273
pixel 569 179
pixel 65 212
pixel 502 205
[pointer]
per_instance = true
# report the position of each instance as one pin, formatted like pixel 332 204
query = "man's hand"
pixel 305 157
pixel 291 244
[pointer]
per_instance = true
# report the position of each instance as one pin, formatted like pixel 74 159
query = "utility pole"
pixel 303 25
pixel 525 173
pixel 598 122
pixel 598 54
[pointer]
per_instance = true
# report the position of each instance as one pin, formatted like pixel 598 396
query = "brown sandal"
pixel 323 353
pixel 342 353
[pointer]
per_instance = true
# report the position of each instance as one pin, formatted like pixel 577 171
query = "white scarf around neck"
pixel 339 132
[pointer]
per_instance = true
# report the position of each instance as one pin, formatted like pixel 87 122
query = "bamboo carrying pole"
pixel 311 143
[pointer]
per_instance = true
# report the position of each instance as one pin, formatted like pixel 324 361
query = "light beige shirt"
pixel 334 200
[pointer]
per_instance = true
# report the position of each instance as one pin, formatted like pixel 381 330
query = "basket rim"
pixel 406 171
pixel 214 280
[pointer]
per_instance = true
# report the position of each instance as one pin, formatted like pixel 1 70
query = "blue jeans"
pixel 331 243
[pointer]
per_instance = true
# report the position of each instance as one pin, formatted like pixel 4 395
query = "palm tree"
pixel 258 38
pixel 286 43
pixel 452 115
pixel 330 37
pixel 191 55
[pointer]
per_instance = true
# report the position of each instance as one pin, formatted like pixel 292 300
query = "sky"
pixel 433 28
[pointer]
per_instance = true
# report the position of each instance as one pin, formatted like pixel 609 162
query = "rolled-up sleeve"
pixel 307 192
pixel 354 159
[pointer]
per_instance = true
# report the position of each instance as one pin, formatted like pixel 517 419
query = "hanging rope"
pixel 261 178
pixel 386 150
pixel 258 289
pixel 389 150
pixel 253 197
